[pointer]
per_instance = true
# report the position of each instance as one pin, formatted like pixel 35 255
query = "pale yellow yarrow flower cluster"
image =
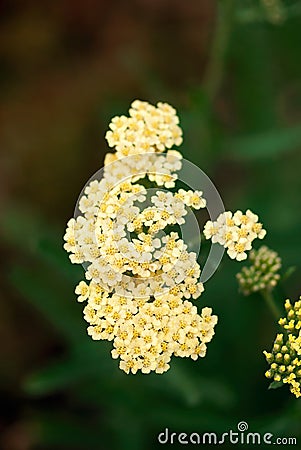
pixel 147 129
pixel 285 357
pixel 235 232
pixel 147 262
pixel 262 273
pixel 140 277
pixel 158 168
pixel 146 332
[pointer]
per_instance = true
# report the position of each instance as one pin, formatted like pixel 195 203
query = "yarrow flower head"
pixel 235 232
pixel 285 357
pixel 262 273
pixel 140 273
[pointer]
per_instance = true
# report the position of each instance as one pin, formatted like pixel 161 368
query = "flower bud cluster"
pixel 285 357
pixel 263 272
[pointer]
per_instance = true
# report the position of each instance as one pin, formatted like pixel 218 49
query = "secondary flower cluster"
pixel 285 358
pixel 140 271
pixel 235 232
pixel 146 332
pixel 262 274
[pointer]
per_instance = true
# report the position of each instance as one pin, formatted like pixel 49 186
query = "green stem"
pixel 215 68
pixel 270 301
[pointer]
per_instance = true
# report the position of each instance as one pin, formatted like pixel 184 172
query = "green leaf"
pixel 269 144
pixel 191 388
pixel 28 233
pixel 87 360
pixel 52 297
pixel 275 385
pixel 289 272
pixel 59 430
pixel 57 376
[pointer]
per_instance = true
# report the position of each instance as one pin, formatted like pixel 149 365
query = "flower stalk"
pixel 270 302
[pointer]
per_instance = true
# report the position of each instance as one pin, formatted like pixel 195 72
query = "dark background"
pixel 233 71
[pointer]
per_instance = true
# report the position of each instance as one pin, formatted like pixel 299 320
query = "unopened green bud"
pixel 286 358
pixel 262 274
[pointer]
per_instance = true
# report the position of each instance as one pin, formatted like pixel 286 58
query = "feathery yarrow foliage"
pixel 262 273
pixel 140 274
pixel 235 232
pixel 285 357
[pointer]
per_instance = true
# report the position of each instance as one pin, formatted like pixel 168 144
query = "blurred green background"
pixel 233 71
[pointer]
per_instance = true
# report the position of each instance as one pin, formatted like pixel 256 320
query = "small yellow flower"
pixel 82 289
